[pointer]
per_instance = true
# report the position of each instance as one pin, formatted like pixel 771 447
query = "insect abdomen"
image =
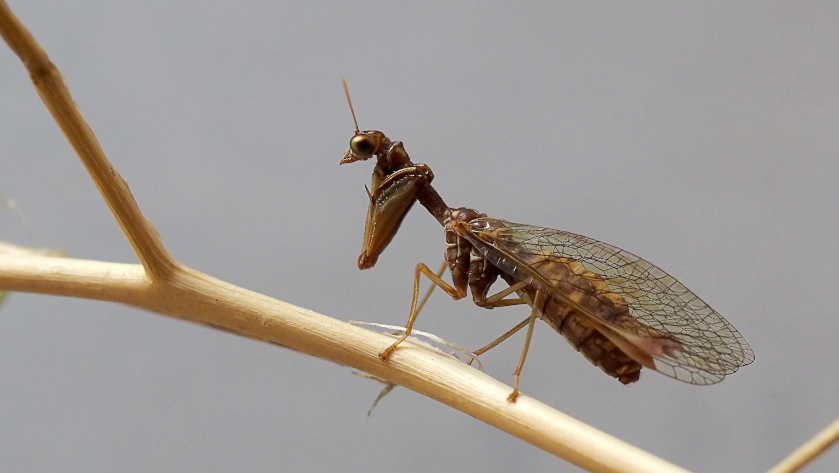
pixel 586 339
pixel 591 343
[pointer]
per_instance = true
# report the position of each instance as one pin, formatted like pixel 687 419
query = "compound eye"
pixel 363 145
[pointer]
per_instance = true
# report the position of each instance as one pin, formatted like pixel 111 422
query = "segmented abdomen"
pixel 591 293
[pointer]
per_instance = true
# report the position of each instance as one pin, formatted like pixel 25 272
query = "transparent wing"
pixel 709 347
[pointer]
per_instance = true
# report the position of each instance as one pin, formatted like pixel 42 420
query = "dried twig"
pixel 809 451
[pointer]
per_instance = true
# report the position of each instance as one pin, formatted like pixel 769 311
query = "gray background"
pixel 702 137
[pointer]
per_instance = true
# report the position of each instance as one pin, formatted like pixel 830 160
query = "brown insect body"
pixel 620 311
pixel 474 263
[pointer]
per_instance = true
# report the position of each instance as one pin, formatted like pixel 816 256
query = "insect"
pixel 620 311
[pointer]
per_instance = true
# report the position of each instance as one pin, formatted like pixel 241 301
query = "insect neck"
pixel 391 158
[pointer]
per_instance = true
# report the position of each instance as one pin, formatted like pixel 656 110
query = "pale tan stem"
pixel 193 296
pixel 810 450
pixel 49 83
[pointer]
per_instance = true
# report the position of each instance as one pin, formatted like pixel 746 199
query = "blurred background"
pixel 701 137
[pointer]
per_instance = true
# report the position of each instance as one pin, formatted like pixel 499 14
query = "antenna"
pixel 347 91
